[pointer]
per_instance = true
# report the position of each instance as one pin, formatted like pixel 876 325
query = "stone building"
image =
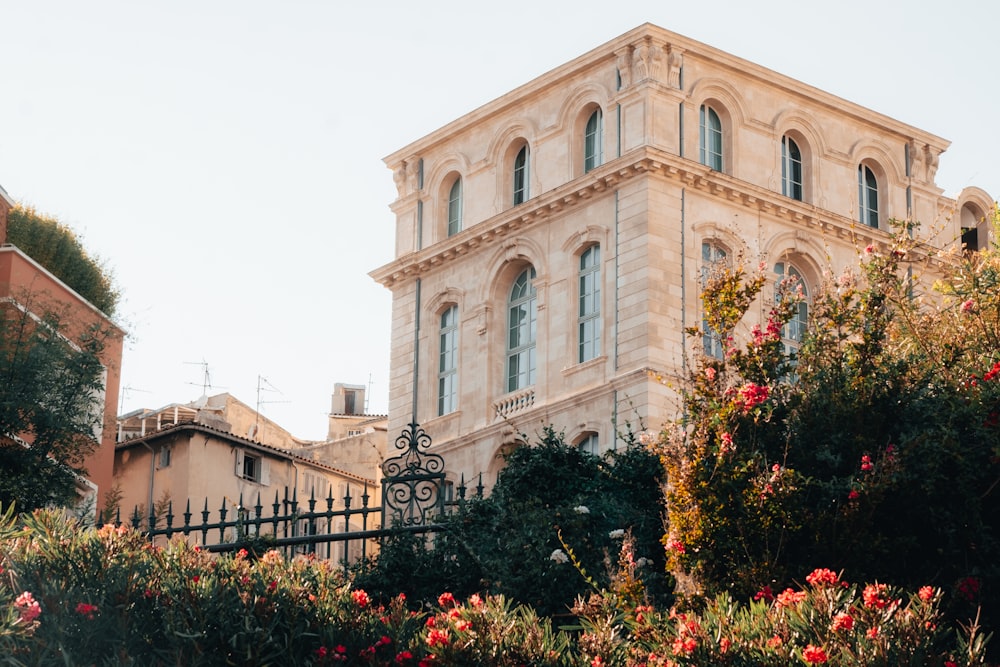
pixel 550 245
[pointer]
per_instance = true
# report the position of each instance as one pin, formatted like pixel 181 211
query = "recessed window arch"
pixel 868 196
pixel 710 152
pixel 789 280
pixel 521 174
pixel 589 310
pixel 593 141
pixel 455 207
pixel 448 361
pixel 714 256
pixel 791 168
pixel 522 331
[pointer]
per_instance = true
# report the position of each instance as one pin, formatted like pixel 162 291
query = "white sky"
pixel 225 157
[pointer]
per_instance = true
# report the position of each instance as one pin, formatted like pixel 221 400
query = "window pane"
pixel 455 208
pixel 592 143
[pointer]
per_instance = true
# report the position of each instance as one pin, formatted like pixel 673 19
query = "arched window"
pixel 789 280
pixel 521 176
pixel 867 196
pixel 975 231
pixel 589 443
pixel 522 314
pixel 455 208
pixel 710 138
pixel 791 168
pixel 448 362
pixel 589 315
pixel 593 141
pixel 712 257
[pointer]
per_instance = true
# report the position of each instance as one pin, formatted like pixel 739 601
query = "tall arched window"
pixel 712 256
pixel 710 138
pixel 448 362
pixel 867 196
pixel 455 208
pixel 521 176
pixel 589 315
pixel 590 443
pixel 593 142
pixel 522 315
pixel 791 168
pixel 789 280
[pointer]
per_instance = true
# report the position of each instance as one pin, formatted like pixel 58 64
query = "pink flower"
pixel 676 546
pixel 475 600
pixel 462 625
pixel 853 495
pixel 684 645
pixel 870 248
pixel 765 594
pixel 28 608
pixel 926 593
pixel 866 463
pixel 446 600
pixel 790 598
pixel 822 576
pixel 872 632
pixel 710 374
pixel 751 395
pixel 969 306
pixel 727 443
pixel 775 641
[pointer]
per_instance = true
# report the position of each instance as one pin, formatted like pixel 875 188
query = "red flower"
pixel 842 621
pixel 724 645
pixel 403 656
pixel 853 495
pixel 321 652
pixel 196 578
pixel 821 576
pixel 872 633
pixel 926 593
pixel 866 463
pixel 790 598
pixel 814 655
pixel 775 642
pixel 751 395
pixel 462 625
pixel 684 646
pixel 446 600
pixel 360 598
pixel 475 600
pixel 874 596
pixel 676 545
pixel 27 607
pixel 86 610
pixel 438 638
pixel 765 594
pixel 968 588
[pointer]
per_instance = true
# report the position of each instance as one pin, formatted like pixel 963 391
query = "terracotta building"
pixel 27 284
pixel 550 245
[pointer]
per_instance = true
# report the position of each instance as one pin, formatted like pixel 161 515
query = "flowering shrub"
pixel 875 446
pixel 117 600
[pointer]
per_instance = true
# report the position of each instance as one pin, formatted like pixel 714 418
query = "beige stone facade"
pixel 617 178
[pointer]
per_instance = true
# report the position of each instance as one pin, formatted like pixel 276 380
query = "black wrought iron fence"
pixel 415 490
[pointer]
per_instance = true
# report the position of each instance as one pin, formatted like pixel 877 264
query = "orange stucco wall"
pixel 34 288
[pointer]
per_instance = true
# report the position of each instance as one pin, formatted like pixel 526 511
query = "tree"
pixel 549 500
pixel 876 449
pixel 50 407
pixel 57 248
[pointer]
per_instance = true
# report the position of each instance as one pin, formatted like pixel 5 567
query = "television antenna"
pixel 206 377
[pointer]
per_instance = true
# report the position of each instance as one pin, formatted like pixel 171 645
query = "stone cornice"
pixel 644 161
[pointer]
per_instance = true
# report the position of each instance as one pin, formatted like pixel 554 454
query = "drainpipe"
pixel 152 472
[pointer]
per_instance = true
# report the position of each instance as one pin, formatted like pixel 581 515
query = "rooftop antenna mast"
pixel 263 384
pixel 206 380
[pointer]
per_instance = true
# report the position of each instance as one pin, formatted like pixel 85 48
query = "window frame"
pixel 455 206
pixel 868 196
pixel 593 141
pixel 589 304
pixel 590 443
pixel 447 394
pixel 521 336
pixel 710 128
pixel 791 169
pixel 521 175
pixel 712 253
pixel 793 333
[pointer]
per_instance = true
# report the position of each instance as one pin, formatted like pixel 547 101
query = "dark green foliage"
pixel 48 389
pixel 57 248
pixel 504 543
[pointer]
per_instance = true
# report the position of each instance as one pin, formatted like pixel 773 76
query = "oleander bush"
pixel 81 596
